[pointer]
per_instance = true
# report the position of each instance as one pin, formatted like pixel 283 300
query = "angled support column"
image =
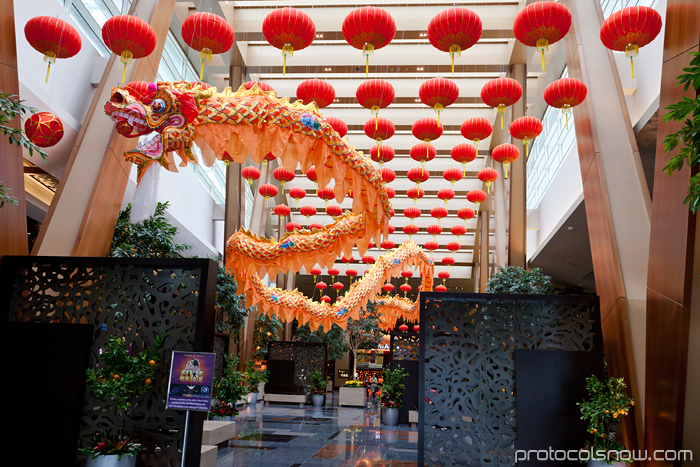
pixel 617 204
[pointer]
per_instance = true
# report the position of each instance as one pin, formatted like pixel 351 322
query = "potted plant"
pixel 318 388
pixel 253 379
pixel 606 404
pixel 392 390
pixel 119 377
pixel 228 390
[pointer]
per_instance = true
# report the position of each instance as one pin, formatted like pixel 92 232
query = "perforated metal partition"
pixel 133 298
pixel 307 357
pixel 466 391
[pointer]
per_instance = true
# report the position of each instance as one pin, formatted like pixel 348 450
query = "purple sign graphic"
pixel 191 379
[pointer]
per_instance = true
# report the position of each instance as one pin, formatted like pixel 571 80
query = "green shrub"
pixel 517 280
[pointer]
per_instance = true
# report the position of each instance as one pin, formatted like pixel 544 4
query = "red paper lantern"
pixel 438 213
pixel 316 271
pixel 388 287
pixel 476 197
pixel 434 230
pixel 319 91
pixel 321 285
pixel 405 288
pixel 391 229
pixel 129 37
pixel 406 274
pixel 250 173
pixel 464 153
pixel 466 214
pixel 422 152
pixel 283 175
pixel 403 328
pixel 350 272
pixel 292 226
pixel 368 259
pixel 426 129
pixel 388 244
pixel 52 37
pixel 476 129
pixel 458 230
pixel 334 210
pixel 564 94
pixel 454 30
pixel 264 86
pixel 487 176
pixel 542 23
pixel 381 154
pixel 438 93
pixel 453 175
pixel 375 94
pixel 368 29
pixel 326 299
pixel 415 193
pixel 311 175
pixel 390 193
pixel 338 125
pixel 505 153
pixel 307 211
pixel 410 230
pixel 44 129
pixel 327 194
pixel 315 226
pixel 416 328
pixel 432 246
pixel 444 275
pixel 297 193
pixel 412 212
pixel 387 174
pixel 448 261
pixel 446 194
pixel 282 210
pixel 268 191
pixel 629 29
pixel 208 34
pixel 333 272
pixel 418 175
pixel 526 128
pixel 371 244
pixel 453 247
pixel 288 29
pixel 501 93
pixel 440 288
pixel 268 157
pixel 379 129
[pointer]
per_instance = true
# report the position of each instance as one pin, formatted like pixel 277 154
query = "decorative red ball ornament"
pixel 208 34
pixel 307 211
pixel 418 175
pixel 380 129
pixel 438 93
pixel 427 130
pixel 129 37
pixel 542 23
pixel 381 154
pixel 415 193
pixel 311 175
pixel 487 176
pixel 410 230
pixel 405 288
pixel 448 261
pixel 282 210
pixel 368 259
pixel 454 30
pixel 333 272
pixel 390 193
pixel 431 246
pixel 334 210
pixel 438 213
pixel 453 247
pixel 321 285
pixel 458 230
pixel 327 194
pixel 338 125
pixel 422 152
pixel 315 226
pixel 283 175
pixel 406 274
pixel 477 197
pixel 464 153
pixel 326 299
pixel 368 29
pixel 268 191
pixel 288 29
pixel 351 273
pixel 264 86
pixel 412 213
pixel 526 128
pixel 44 129
pixel 629 29
pixel 391 229
pixel 453 175
pixel 466 214
pixel 292 226
pixel 388 287
pixel 440 288
pixel 434 230
pixel 444 275
pixel 388 244
pixel 476 129
pixel 297 193
pixel 446 194
pixel 505 153
pixel 564 94
pixel 52 37
pixel 375 94
pixel 403 328
pixel 319 91
pixel 388 175
pixel 268 157
pixel 501 93
pixel 316 271
pixel 250 173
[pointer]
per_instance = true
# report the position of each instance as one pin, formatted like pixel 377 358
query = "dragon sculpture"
pixel 232 126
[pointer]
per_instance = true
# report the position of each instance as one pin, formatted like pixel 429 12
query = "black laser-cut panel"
pixel 467 405
pixel 404 345
pixel 307 357
pixel 133 298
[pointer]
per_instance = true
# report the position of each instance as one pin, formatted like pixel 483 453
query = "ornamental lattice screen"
pixel 307 357
pixel 133 298
pixel 467 342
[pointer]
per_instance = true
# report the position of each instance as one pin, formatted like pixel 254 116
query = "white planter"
pixel 317 400
pixel 352 397
pixel 253 398
pixel 111 461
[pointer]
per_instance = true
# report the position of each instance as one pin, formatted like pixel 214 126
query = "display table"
pixel 352 397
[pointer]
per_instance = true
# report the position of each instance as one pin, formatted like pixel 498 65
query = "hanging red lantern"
pixel 375 94
pixel 477 197
pixel 390 193
pixel 297 193
pixel 268 191
pixel 431 246
pixel 43 129
pixel 391 229
pixel 412 213
pixel 387 244
pixel 422 152
pixel 387 174
pixel 327 194
pixel 319 91
pixel 405 288
pixel 338 125
pixel 438 93
pixel 501 93
pixel 292 226
pixel 282 210
pixel 311 175
pixel 427 130
pixel 505 153
pixel 315 226
pixel 446 194
pixel 458 230
pixel 438 213
pixel 454 30
pixel 334 210
pixel 416 328
pixel 250 173
pixel 307 211
pixel 321 285
pixel 406 274
pixel 541 24
pixel 208 34
pixel 448 261
pixel 444 275
pixel 268 157
pixel 403 328
pixel 415 193
pixel 371 244
pixel 629 29
pixel 418 175
pixel 476 129
pixel 288 29
pixel 129 37
pixel 453 247
pixel 379 129
pixel 434 230
pixel 487 176
pixel 388 288
pixel 316 271
pixel 351 273
pixel 52 37
pixel 465 214
pixel 440 288
pixel 452 175
pixel 347 260
pixel 264 86
pixel 382 154
pixel 368 29
pixel 564 94
pixel 333 272
pixel 326 299
pixel 283 175
pixel 368 259
pixel 464 153
pixel 410 230
pixel 526 128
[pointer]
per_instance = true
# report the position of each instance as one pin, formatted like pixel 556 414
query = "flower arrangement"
pixel 223 409
pixel 318 383
pixel 232 386
pixel 353 384
pixel 392 388
pixel 607 403
pixel 119 378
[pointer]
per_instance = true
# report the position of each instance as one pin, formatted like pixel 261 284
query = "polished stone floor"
pixel 277 435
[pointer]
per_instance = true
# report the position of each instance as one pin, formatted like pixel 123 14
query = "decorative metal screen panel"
pixel 307 357
pixel 133 298
pixel 404 346
pixel 467 405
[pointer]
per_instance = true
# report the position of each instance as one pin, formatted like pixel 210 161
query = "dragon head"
pixel 165 113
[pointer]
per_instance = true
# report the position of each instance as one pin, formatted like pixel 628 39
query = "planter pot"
pixel 596 463
pixel 317 400
pixel 390 417
pixel 351 396
pixel 253 398
pixel 111 461
pixel 228 418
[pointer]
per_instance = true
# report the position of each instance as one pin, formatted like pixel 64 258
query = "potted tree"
pixel 318 388
pixel 392 390
pixel 228 390
pixel 119 377
pixel 253 379
pixel 606 404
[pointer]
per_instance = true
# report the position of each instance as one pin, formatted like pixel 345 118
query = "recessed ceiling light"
pixel 420 68
pixel 326 69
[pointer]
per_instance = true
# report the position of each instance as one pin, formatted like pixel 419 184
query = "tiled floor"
pixel 278 435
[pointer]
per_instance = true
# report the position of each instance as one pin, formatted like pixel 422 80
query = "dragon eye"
pixel 158 106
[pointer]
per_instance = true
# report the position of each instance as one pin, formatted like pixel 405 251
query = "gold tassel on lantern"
pixel 286 49
pixel 455 49
pixel 204 54
pixel 50 58
pixel 367 50
pixel 126 57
